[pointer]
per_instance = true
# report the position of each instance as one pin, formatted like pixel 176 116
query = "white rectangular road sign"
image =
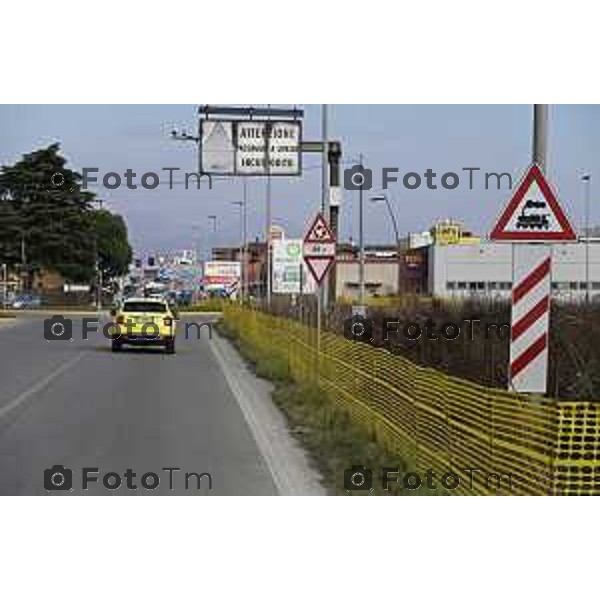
pixel 287 265
pixel 251 147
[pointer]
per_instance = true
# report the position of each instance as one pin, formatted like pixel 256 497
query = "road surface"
pixel 78 405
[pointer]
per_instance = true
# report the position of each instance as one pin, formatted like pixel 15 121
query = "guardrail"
pixel 549 447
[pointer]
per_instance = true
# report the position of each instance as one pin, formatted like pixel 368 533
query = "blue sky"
pixel 409 137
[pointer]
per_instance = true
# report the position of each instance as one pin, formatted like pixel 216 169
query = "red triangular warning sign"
pixel 319 231
pixel 533 214
pixel 319 248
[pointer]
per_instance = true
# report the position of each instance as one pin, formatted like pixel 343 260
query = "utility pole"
pixel 324 291
pixel 361 240
pixel 540 135
pixel 587 182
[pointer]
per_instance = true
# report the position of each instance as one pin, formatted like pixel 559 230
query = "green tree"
pixel 114 251
pixel 44 211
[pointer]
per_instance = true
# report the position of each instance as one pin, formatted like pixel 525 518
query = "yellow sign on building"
pixel 448 233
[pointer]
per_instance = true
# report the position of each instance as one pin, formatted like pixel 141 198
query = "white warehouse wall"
pixel 486 269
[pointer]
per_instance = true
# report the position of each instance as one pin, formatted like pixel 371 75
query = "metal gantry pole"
pixel 245 241
pixel 268 238
pixel 268 208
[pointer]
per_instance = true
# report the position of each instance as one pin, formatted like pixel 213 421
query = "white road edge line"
pixel 266 434
pixel 41 384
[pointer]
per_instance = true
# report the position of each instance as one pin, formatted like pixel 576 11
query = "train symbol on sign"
pixel 533 220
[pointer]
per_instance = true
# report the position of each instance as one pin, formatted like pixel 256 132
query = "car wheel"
pixel 170 346
pixel 116 346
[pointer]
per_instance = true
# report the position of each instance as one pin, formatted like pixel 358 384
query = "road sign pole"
pixel 528 369
pixel 318 345
pixel 532 222
pixel 540 135
pixel 319 255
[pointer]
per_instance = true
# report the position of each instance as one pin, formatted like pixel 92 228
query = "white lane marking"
pixel 285 461
pixel 37 387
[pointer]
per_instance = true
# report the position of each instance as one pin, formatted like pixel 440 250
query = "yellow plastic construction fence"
pixel 445 423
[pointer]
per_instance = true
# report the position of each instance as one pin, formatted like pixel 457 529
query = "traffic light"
pixel 334 154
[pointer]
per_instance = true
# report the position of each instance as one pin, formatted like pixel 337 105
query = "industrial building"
pixel 486 269
pixel 445 261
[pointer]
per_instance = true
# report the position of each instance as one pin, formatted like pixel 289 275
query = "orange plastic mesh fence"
pixel 520 444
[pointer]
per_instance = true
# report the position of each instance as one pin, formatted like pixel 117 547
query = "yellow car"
pixel 145 321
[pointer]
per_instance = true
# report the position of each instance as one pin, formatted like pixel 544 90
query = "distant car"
pixel 146 322
pixel 27 301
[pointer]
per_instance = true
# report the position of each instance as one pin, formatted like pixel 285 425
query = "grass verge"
pixel 210 305
pixel 332 440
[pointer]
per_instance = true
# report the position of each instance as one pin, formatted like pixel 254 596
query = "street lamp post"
pixel 243 228
pixel 385 198
pixel 99 282
pixel 213 218
pixel 587 181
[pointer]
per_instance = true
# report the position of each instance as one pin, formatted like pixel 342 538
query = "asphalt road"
pixel 78 405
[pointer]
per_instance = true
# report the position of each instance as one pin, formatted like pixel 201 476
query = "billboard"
pixel 250 147
pixel 420 240
pixel 290 275
pixel 221 275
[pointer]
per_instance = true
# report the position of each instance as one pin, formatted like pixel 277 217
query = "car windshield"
pixel 144 307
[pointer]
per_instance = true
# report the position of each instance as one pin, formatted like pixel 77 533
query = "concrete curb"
pixel 286 459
